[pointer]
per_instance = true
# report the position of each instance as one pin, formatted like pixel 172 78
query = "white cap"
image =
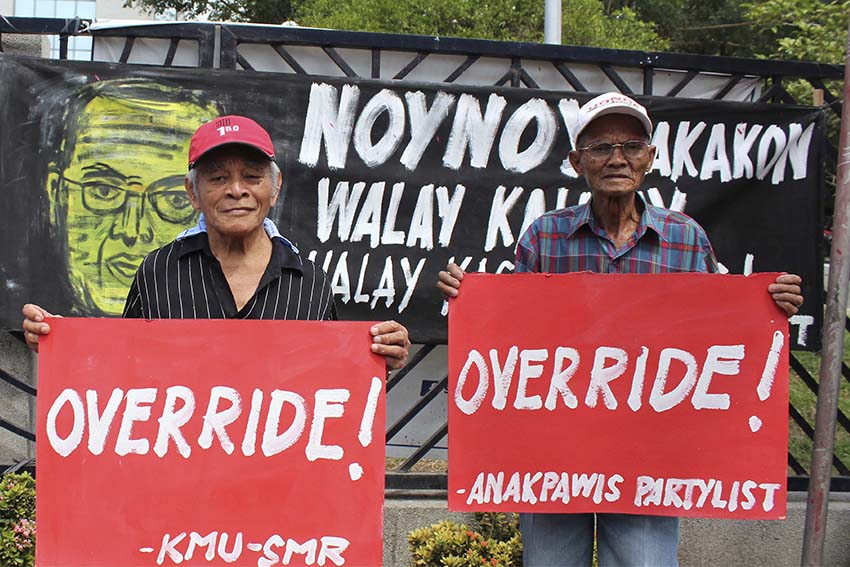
pixel 609 103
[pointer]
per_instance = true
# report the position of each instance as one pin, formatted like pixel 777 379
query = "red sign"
pixel 209 443
pixel 643 394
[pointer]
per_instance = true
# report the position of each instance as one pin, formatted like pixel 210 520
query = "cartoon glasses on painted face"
pixel 633 149
pixel 106 192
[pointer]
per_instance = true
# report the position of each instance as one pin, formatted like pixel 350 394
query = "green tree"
pixel 812 30
pixel 262 11
pixel 710 27
pixel 494 19
pixel 585 22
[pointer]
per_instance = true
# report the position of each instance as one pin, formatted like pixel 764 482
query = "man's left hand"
pixel 786 293
pixel 389 339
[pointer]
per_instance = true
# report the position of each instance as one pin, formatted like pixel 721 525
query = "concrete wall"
pixel 19 44
pixel 703 543
pixel 15 406
pixel 778 543
pixel 403 516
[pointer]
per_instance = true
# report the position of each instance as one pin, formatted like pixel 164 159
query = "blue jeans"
pixel 566 540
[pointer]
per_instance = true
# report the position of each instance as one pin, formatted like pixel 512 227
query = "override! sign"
pixel 644 394
pixel 209 443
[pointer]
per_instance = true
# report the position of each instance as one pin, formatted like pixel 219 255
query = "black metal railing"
pixel 18 430
pixel 64 28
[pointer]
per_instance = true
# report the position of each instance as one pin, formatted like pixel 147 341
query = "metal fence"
pixel 466 61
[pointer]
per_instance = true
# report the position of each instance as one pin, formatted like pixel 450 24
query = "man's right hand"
pixel 449 280
pixel 34 324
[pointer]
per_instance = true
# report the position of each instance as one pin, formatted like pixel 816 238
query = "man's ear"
pixel 575 161
pixel 57 196
pixel 278 183
pixel 193 198
pixel 652 154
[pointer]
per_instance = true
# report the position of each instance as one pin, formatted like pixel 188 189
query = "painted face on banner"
pixel 121 194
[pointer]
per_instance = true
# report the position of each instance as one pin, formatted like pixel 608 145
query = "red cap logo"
pixel 229 130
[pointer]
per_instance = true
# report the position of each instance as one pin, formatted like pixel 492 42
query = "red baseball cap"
pixel 229 130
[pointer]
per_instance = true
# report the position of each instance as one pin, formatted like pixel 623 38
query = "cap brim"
pixel 625 110
pixel 229 143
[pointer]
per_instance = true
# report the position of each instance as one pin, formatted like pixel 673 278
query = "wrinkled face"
pixel 122 194
pixel 617 174
pixel 235 191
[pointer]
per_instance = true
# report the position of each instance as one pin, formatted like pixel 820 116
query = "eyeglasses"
pixel 166 196
pixel 633 149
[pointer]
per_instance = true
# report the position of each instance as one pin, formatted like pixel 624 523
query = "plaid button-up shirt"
pixel 571 240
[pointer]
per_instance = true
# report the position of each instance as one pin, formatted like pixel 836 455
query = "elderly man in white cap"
pixel 615 232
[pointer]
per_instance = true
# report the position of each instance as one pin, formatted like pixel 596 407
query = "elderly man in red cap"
pixel 615 232
pixel 234 264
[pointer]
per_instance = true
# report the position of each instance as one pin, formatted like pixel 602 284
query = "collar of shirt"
pixel 285 254
pixel 268 225
pixel 651 217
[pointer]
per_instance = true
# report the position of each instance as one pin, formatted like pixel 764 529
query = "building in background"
pixel 78 47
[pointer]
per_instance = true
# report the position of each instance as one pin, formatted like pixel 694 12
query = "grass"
pixel 805 402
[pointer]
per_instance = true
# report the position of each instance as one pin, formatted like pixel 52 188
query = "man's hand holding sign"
pixel 616 388
pixel 682 412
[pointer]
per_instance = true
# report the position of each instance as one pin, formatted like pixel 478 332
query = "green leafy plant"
pixel 17 520
pixel 495 542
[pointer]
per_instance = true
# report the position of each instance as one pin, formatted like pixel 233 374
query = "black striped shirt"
pixel 183 280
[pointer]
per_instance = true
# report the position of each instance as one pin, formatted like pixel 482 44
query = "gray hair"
pixel 192 177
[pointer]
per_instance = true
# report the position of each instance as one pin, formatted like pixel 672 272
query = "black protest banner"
pixel 385 181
